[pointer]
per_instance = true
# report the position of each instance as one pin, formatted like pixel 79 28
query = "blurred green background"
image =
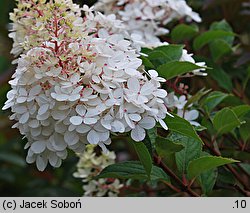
pixel 19 179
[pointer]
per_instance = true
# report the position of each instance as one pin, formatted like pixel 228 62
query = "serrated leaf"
pixel 144 156
pixel 132 170
pixel 205 163
pixel 192 150
pixel 183 32
pixel 210 36
pixel 182 126
pixel 165 147
pixel 213 99
pixel 176 68
pixel 225 121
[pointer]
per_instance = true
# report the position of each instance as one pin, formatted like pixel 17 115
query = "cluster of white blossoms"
pixel 144 19
pixel 174 102
pixel 89 166
pixel 77 81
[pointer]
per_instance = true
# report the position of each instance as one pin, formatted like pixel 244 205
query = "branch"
pixel 184 187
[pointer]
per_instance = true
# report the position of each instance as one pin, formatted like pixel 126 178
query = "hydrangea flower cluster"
pixel 77 81
pixel 89 166
pixel 144 18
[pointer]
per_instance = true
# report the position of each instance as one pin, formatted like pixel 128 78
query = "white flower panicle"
pixel 144 18
pixel 89 166
pixel 77 83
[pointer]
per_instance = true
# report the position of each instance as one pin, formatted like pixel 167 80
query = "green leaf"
pixel 176 68
pixel 205 163
pixel 239 155
pixel 223 25
pixel 173 52
pixel 208 178
pixel 152 134
pixel 162 55
pixel 147 63
pixel 213 99
pixel 146 50
pixel 225 121
pixel 184 32
pixel 241 110
pixel 157 55
pixel 182 126
pixel 219 48
pixel 144 156
pixel 148 143
pixel 13 159
pixel 165 147
pixel 225 177
pixel 132 170
pixel 222 78
pixel 245 130
pixel 210 36
pixel 192 150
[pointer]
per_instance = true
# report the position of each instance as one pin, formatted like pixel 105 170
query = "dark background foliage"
pixel 19 179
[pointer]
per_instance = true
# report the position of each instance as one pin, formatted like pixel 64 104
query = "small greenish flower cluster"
pixel 89 166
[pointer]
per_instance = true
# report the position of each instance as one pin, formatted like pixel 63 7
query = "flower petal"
pixel 138 133
pixel 147 123
pixel 93 137
pixel 38 147
pixel 163 124
pixel 41 163
pixel 76 120
pixel 71 138
pixel 81 110
pixel 134 85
